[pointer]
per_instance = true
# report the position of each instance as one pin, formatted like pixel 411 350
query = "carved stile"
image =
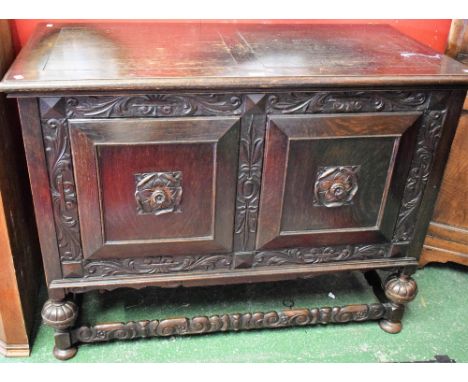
pixel 249 179
pixel 62 184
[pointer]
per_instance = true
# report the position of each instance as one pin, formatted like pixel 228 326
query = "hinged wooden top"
pixel 163 56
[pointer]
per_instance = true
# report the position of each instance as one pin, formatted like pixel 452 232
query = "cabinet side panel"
pixel 454 107
pixel 35 157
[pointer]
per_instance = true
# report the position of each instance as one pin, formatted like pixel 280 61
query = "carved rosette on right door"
pixel 333 179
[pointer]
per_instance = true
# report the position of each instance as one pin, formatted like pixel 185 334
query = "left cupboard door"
pixel 149 187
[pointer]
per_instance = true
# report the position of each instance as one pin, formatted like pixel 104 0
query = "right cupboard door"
pixel 334 179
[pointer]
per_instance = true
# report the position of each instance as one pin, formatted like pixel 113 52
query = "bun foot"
pixel 390 326
pixel 64 354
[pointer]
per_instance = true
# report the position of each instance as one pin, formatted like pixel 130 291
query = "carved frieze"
pixel 218 262
pixel 155 265
pixel 345 102
pixel 154 105
pixel 302 256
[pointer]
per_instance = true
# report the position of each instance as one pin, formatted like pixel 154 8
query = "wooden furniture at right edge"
pixel 447 236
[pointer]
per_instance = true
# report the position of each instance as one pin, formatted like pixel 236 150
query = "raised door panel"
pixel 327 178
pixel 155 187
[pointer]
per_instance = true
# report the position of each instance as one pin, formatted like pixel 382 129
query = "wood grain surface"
pixel 20 270
pixel 114 56
pixel 447 234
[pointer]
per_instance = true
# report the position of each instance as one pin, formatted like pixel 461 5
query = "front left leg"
pixel 61 315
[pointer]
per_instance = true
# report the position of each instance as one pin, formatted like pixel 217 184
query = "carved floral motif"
pixel 158 192
pixel 335 185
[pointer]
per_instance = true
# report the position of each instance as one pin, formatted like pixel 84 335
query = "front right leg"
pixel 399 289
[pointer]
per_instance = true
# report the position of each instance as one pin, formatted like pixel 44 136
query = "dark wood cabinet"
pixel 154 164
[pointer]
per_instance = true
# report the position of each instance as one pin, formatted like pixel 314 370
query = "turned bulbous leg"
pixel 61 315
pixel 399 289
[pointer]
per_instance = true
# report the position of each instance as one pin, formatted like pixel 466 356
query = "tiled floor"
pixel 434 324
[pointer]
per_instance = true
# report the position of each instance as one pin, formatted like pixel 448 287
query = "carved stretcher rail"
pixel 232 322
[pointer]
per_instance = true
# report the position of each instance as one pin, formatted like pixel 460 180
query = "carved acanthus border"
pixel 154 105
pixel 230 322
pixel 427 140
pixel 220 262
pixel 62 186
pixel 155 265
pixel 303 256
pixel 345 102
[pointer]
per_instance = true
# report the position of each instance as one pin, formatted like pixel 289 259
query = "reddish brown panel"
pixel 123 217
pixel 328 174
pixel 335 183
pixel 152 187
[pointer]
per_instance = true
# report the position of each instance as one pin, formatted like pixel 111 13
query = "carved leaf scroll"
pixel 62 187
pixel 302 256
pixel 155 265
pixel 345 102
pixel 428 138
pixel 154 105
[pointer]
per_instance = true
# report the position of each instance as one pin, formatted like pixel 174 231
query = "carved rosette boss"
pixel 335 186
pixel 158 192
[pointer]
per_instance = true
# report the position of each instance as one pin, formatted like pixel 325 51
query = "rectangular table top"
pixel 154 56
